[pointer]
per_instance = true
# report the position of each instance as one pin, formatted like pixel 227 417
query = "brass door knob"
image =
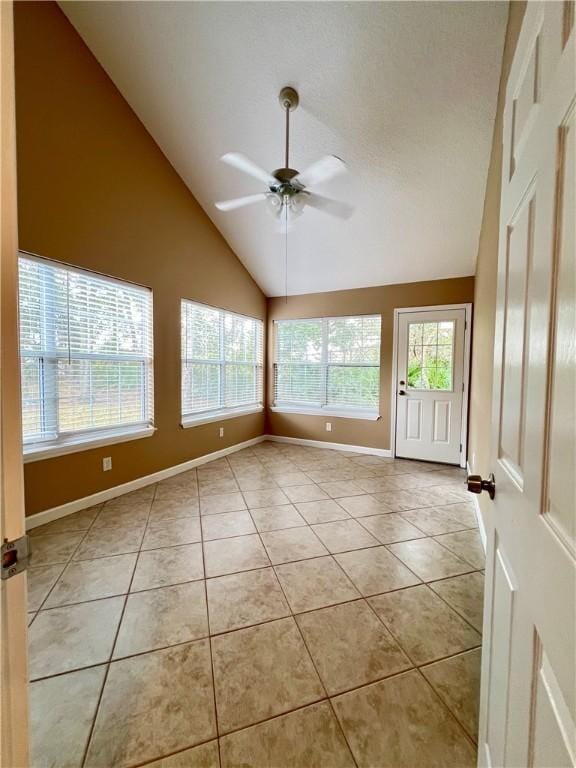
pixel 476 484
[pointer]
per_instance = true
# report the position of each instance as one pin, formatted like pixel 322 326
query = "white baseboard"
pixel 384 452
pixel 55 513
pixel 478 512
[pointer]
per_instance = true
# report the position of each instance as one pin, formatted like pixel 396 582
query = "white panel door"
pixel 528 698
pixel 430 384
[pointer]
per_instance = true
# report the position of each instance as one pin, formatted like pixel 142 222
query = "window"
pixel 86 356
pixel 222 363
pixel 328 363
pixel 430 355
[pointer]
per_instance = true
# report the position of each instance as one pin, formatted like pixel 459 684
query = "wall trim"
pixel 384 452
pixel 55 513
pixel 478 512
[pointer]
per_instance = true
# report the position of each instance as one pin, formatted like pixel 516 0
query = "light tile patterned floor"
pixel 286 606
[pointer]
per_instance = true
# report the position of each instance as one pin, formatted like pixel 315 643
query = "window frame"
pixel 323 408
pixel 222 412
pixel 64 441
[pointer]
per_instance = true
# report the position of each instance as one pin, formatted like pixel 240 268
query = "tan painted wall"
pixel 485 286
pixel 96 191
pixel 381 300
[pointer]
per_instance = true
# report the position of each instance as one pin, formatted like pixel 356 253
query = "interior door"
pixel 528 699
pixel 14 685
pixel 430 384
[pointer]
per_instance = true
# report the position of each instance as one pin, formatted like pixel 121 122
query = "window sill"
pixel 85 443
pixel 341 413
pixel 208 418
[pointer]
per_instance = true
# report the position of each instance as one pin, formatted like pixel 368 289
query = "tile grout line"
pixel 115 640
pixel 210 650
pixel 449 710
pixel 66 564
pixel 293 617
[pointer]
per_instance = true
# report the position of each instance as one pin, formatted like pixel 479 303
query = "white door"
pixel 13 643
pixel 430 384
pixel 528 699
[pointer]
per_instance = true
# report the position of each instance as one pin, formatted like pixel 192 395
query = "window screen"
pixel 86 352
pixel 328 363
pixel 222 360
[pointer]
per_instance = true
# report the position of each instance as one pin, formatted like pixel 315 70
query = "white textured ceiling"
pixel 405 92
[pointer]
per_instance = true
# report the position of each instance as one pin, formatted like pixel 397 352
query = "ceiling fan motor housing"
pixel 285 185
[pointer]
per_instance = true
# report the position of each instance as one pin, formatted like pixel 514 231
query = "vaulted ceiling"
pixel 404 92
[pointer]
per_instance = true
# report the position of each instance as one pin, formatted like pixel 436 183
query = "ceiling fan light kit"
pixel 287 192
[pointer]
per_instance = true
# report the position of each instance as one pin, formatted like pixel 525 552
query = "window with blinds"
pixel 86 354
pixel 330 362
pixel 222 362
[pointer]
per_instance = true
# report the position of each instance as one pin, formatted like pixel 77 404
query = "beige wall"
pixel 95 190
pixel 362 301
pixel 485 286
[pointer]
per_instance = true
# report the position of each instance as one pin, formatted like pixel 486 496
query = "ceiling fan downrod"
pixel 289 101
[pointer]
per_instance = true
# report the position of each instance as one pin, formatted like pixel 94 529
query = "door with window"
pixel 430 384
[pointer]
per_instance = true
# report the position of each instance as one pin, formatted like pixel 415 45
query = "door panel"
pixel 442 409
pixel 414 420
pixel 430 384
pixel 499 670
pixel 515 330
pixel 559 499
pixel 528 698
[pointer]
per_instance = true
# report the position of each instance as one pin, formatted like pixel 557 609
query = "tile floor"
pixel 285 606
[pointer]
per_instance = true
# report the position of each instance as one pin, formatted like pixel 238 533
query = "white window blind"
pixel 331 363
pixel 222 361
pixel 86 353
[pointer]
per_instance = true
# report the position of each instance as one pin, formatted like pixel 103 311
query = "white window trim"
pixel 222 415
pixel 35 450
pixel 218 414
pixel 340 412
pixel 84 442
pixel 325 410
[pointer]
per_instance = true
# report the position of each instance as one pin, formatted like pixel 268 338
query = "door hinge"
pixel 15 556
pixel 460 447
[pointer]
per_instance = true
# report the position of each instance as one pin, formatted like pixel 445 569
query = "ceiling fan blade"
pixel 322 170
pixel 240 202
pixel 332 207
pixel 243 163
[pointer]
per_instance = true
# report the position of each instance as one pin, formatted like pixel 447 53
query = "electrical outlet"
pixel 221 431
pixel 107 464
pixel 328 426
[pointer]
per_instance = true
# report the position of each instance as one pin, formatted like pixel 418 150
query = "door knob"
pixel 401 392
pixel 476 484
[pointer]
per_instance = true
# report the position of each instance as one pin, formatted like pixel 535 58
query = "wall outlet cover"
pixel 107 463
pixel 328 426
pixel 221 431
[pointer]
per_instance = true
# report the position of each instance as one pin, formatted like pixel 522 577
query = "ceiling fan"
pixel 287 190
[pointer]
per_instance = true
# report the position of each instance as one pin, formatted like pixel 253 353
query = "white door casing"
pixel 13 591
pixel 528 695
pixel 431 383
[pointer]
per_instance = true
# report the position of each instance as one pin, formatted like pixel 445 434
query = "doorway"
pixel 430 383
